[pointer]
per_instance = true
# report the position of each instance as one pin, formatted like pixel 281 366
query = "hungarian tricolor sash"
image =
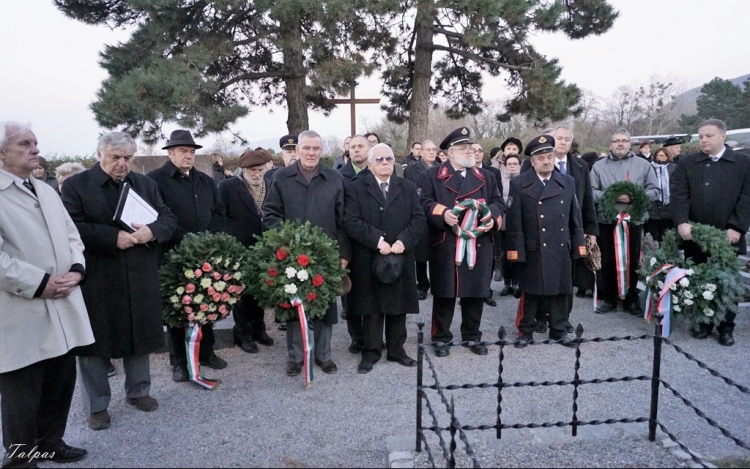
pixel 193 335
pixel 307 345
pixel 622 257
pixel 475 223
pixel 664 302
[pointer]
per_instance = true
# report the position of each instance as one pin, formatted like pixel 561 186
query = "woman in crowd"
pixel 219 173
pixel 65 170
pixel 660 214
pixel 510 169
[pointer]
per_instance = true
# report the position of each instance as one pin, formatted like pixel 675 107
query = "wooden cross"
pixel 352 101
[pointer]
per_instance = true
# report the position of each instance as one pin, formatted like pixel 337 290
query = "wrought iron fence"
pixel 457 430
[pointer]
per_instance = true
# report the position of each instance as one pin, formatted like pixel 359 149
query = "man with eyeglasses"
pixel 414 155
pixel 621 164
pixel 310 191
pixel 459 267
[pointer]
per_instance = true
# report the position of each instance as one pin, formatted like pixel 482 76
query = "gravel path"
pixel 261 417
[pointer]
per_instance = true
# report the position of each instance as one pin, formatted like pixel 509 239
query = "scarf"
pixel 662 173
pixel 258 192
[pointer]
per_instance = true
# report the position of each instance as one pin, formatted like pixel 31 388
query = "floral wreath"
pixel 201 281
pixel 707 290
pixel 477 210
pixel 639 201
pixel 297 261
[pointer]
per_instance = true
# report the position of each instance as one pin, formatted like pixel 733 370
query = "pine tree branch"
pixel 252 76
pixel 478 58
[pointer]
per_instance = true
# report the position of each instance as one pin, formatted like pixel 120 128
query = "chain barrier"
pixel 713 372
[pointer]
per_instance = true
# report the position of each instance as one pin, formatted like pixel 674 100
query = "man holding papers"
pixel 121 290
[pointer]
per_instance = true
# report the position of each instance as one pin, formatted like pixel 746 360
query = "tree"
pixel 469 37
pixel 204 64
pixel 720 99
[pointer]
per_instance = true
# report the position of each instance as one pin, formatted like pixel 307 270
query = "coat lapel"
pixel 451 180
pixel 373 188
pixel 554 186
pixel 531 184
pixel 394 189
pixel 472 182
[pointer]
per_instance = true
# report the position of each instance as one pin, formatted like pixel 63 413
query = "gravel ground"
pixel 261 417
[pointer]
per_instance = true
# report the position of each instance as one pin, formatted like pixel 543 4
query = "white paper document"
pixel 136 210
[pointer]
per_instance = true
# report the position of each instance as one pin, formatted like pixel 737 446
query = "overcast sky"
pixel 50 71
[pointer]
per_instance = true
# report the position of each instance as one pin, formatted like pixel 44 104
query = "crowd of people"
pixel 77 284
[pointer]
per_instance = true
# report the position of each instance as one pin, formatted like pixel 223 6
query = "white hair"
pixel 69 169
pixel 371 151
pixel 309 134
pixel 563 126
pixel 117 141
pixel 12 129
pixel 425 143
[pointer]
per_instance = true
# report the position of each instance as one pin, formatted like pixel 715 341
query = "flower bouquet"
pixel 201 282
pixel 701 292
pixel 296 272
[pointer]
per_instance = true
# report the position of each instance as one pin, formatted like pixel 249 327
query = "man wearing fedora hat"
pixel 243 198
pixel 193 198
pixel 441 188
pixel 674 148
pixel 386 223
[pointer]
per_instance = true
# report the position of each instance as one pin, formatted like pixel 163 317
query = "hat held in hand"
pixel 387 269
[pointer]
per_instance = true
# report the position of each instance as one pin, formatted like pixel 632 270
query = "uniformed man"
pixel 441 188
pixel 544 233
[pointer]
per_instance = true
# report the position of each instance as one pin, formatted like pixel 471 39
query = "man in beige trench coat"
pixel 42 313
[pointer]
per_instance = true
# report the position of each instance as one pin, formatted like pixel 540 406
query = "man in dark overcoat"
pixel 441 188
pixel 243 198
pixel 427 159
pixel 478 153
pixel 712 187
pixel 310 191
pixel 122 288
pixel 193 198
pixel 383 217
pixel 544 234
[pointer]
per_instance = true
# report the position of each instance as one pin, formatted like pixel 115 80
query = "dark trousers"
pixel 395 336
pixel 353 322
pixel 442 317
pixel 693 251
pixel 249 319
pixel 657 228
pixel 533 308
pixel 177 350
pixel 423 281
pixel 606 241
pixel 35 402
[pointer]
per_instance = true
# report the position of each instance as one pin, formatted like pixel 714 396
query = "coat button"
pixel 544 229
pixel 562 244
pixel 381 209
pixel 479 245
pixel 540 202
pixel 541 216
pixel 545 245
pixel 18 291
pixel 36 205
pixel 562 229
pixel 706 183
pixel 562 202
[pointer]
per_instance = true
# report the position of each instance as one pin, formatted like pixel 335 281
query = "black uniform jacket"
pixel 544 232
pixel 368 216
pixel 579 170
pixel 193 199
pixel 714 193
pixel 412 172
pixel 122 288
pixel 441 188
pixel 243 220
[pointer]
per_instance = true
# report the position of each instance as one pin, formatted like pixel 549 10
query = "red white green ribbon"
pixel 622 258
pixel 475 223
pixel 307 344
pixel 664 303
pixel 193 335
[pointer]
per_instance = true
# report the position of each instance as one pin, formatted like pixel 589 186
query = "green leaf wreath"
pixel 639 201
pixel 709 289
pixel 297 261
pixel 200 279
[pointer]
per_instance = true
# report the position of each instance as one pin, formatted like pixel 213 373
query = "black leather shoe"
pixel 421 295
pixel 180 375
pixel 64 453
pixel 489 301
pixel 564 340
pixel 404 361
pixel 726 339
pixel 294 369
pixel 516 292
pixel 343 315
pixel 701 333
pixel 364 367
pixel 634 309
pixel 478 349
pixel 263 339
pixel 569 328
pixel 355 346
pixel 111 370
pixel 507 290
pixel 282 326
pixel 605 308
pixel 442 351
pixel 328 366
pixel 541 327
pixel 214 362
pixel 247 345
pixel 523 341
pixel 581 293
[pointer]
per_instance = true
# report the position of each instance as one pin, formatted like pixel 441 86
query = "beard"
pixel 466 161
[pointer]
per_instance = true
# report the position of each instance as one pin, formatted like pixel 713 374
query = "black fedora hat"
pixel 387 269
pixel 673 141
pixel 181 138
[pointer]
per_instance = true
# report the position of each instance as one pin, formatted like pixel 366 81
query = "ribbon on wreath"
pixel 475 223
pixel 193 335
pixel 664 302
pixel 307 345
pixel 622 257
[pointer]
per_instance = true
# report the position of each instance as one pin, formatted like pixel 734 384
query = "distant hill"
pixel 687 99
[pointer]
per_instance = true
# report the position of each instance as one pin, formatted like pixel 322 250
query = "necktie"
pixel 544 181
pixel 562 168
pixel 384 188
pixel 28 186
pixel 462 173
pixel 714 159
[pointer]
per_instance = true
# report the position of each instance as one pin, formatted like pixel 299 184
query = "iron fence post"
pixel 453 430
pixel 576 377
pixel 420 364
pixel 655 380
pixel 501 336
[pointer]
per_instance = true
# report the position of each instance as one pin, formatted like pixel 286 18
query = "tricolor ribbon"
pixel 664 302
pixel 307 344
pixel 468 230
pixel 622 258
pixel 193 335
pixel 596 292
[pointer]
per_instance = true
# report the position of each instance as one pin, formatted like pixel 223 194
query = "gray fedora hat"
pixel 181 138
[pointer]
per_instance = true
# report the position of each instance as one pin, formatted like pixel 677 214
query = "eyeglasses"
pixel 381 159
pixel 620 141
pixel 511 164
